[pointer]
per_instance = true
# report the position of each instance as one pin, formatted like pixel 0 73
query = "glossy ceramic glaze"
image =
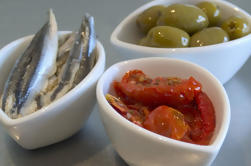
pixel 140 147
pixel 62 118
pixel 223 60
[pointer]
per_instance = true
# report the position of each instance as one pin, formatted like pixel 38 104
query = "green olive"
pixel 212 11
pixel 189 18
pixel 166 37
pixel 236 27
pixel 209 36
pixel 149 17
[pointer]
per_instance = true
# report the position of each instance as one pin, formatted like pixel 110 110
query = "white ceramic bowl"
pixel 223 60
pixel 62 118
pixel 140 147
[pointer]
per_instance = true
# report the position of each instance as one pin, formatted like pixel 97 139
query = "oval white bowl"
pixel 140 147
pixel 63 117
pixel 223 60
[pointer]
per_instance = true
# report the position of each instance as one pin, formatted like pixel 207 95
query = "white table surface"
pixel 91 146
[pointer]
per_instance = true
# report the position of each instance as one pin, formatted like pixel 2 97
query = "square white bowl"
pixel 60 119
pixel 140 147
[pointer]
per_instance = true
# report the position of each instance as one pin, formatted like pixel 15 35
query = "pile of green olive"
pixel 182 25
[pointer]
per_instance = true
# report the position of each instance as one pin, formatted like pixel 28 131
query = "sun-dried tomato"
pixel 159 91
pixel 169 106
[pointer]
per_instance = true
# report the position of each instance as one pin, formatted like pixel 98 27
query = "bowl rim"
pixel 110 111
pixel 153 50
pixel 7 121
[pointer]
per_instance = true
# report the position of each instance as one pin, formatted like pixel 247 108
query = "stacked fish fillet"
pixel 48 69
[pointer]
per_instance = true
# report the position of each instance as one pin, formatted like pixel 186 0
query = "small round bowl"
pixel 140 147
pixel 63 117
pixel 223 60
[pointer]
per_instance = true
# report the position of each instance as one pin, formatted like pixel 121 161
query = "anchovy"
pixel 89 44
pixel 31 71
pixel 80 60
pixel 64 47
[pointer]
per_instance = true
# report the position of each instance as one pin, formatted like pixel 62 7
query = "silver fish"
pixel 80 61
pixel 64 47
pixel 31 71
pixel 89 44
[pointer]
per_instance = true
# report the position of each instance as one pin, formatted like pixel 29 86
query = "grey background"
pixel 91 146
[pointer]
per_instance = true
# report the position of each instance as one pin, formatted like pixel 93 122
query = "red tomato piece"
pixel 207 113
pixel 136 76
pixel 196 127
pixel 117 104
pixel 134 113
pixel 168 122
pixel 159 91
pixel 188 110
pixel 127 100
